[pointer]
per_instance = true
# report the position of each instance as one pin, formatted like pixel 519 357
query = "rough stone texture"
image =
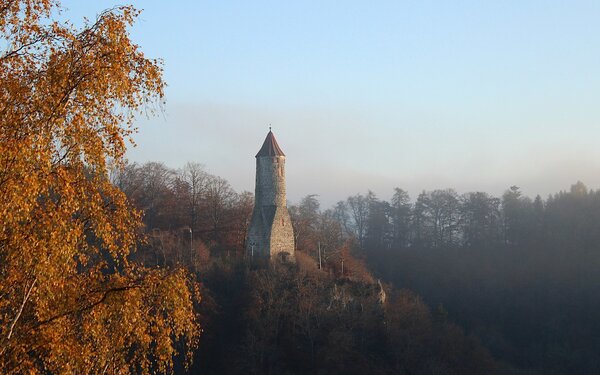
pixel 271 233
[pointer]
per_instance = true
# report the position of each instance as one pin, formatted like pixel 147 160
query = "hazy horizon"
pixel 421 96
pixel 311 168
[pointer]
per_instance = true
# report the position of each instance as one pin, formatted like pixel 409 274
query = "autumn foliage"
pixel 71 300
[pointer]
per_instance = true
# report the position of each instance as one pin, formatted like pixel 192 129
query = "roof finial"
pixel 269 127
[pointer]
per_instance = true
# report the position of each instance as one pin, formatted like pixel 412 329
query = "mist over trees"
pixel 518 273
pixel 511 275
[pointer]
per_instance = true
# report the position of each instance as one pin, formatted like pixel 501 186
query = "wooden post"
pixel 319 254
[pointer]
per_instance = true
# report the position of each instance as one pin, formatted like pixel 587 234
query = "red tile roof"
pixel 270 147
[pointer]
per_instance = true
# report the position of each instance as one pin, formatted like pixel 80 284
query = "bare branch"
pixel 25 299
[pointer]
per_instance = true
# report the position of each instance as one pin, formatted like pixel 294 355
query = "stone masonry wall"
pixel 270 181
pixel 270 229
pixel 282 234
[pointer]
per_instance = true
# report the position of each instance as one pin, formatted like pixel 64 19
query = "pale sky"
pixel 473 95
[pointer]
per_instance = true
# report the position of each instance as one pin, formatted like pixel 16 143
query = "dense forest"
pixel 468 283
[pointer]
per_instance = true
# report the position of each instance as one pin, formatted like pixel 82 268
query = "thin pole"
pixel 191 246
pixel 319 254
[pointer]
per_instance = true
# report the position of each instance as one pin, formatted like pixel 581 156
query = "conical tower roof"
pixel 270 147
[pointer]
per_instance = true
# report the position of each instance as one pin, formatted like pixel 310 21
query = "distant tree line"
pixel 441 219
pixel 177 200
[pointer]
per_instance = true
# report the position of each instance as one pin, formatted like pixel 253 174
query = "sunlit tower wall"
pixel 270 234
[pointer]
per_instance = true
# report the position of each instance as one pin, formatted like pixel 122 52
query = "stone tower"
pixel 271 234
